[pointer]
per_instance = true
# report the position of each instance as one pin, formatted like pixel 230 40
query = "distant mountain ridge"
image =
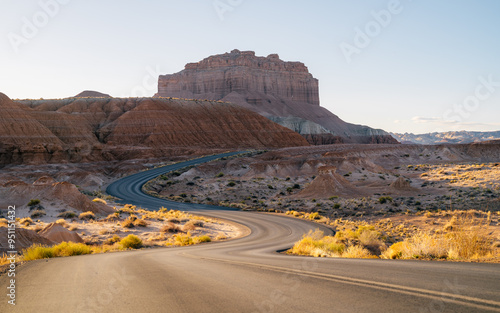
pixel 453 137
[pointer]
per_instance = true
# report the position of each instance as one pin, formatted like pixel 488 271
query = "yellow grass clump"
pixel 36 252
pixel 466 239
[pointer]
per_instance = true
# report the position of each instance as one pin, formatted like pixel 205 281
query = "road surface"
pixel 246 274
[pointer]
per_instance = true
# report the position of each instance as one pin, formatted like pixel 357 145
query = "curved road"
pixel 246 274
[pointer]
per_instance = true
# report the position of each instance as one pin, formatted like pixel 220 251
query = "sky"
pixel 401 65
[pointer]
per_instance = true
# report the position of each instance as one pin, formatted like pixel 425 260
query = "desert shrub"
pixel 99 200
pixel 62 222
pixel 70 249
pixel 87 216
pixel 467 239
pixel 34 202
pixel 140 223
pixel 112 240
pixel 113 216
pixel 67 214
pixel 174 220
pixel 357 252
pixel 314 216
pixel 170 228
pixel 36 252
pixel 383 200
pixel 133 217
pixel 183 239
pixel 26 221
pixel 73 228
pixel 38 213
pixel 219 175
pixel 131 242
pixel 221 236
pixel 203 238
pixel 316 244
pixel 231 184
pixel 127 223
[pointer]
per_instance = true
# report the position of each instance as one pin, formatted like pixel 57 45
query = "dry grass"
pixel 318 245
pixel 36 252
pixel 26 221
pixel 38 213
pixel 140 223
pixel 170 228
pixel 62 222
pixel 187 239
pixel 67 214
pixel 87 216
pixel 99 200
pixel 466 239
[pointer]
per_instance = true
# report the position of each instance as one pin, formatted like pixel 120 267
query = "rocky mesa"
pixel 283 91
pixel 106 129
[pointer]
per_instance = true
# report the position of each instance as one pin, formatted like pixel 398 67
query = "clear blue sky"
pixel 423 68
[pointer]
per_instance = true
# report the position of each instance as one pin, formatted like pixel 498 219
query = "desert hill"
pixel 103 129
pixel 92 94
pixel 282 91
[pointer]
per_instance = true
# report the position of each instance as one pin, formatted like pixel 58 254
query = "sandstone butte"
pixel 106 129
pixel 284 92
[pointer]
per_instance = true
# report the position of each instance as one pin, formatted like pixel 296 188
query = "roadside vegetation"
pixel 465 237
pixel 127 228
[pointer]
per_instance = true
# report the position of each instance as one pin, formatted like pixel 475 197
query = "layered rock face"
pixel 103 129
pixel 282 91
pixel 243 73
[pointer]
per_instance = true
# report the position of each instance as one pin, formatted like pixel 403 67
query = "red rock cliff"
pixel 97 129
pixel 268 86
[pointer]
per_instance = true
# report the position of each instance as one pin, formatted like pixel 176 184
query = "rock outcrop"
pixel 61 194
pixel 328 183
pixel 106 129
pixel 57 233
pixel 25 238
pixel 269 86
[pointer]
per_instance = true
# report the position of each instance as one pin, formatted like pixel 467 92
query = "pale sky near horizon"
pixel 404 66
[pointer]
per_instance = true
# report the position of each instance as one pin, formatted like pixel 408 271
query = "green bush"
pixel 67 214
pixel 383 200
pixel 34 202
pixel 131 242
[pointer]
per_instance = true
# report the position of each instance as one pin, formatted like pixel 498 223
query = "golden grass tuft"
pixel 131 242
pixel 26 221
pixel 36 252
pixel 99 200
pixel 467 239
pixel 87 216
pixel 127 223
pixel 38 213
pixel 170 228
pixel 140 223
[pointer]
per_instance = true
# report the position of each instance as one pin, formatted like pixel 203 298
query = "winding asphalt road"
pixel 246 274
